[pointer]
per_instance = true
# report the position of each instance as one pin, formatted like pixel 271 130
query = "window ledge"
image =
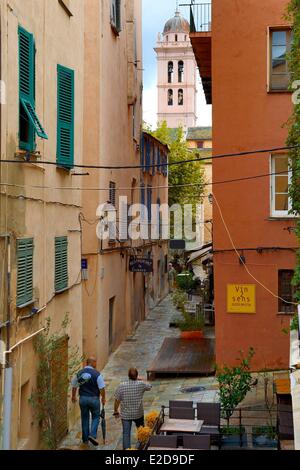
pixel 57 292
pixel 279 218
pixel 286 314
pixel 31 302
pixel 290 92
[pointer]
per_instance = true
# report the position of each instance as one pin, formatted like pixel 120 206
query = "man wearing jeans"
pixel 91 385
pixel 129 395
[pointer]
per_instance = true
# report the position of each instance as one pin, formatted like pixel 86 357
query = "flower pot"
pixel 191 334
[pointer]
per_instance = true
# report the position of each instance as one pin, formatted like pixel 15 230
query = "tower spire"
pixel 177 7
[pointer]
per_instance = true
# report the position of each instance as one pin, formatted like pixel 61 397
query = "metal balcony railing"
pixel 200 17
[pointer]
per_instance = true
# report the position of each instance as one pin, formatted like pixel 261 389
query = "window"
pixel 200 145
pixel 280 44
pixel 149 203
pixel 112 193
pixel 180 97
pixel 170 72
pixel 61 264
pixel 180 71
pixel 167 38
pixel 285 291
pixel 115 16
pixel 65 117
pixel 29 123
pixel 170 97
pixel 280 179
pixel 176 37
pixel 24 271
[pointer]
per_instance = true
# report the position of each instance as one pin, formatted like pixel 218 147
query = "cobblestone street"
pixel 138 351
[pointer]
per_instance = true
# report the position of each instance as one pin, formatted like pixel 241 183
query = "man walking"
pixel 129 395
pixel 91 385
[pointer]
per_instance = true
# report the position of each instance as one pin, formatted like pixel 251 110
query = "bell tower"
pixel 176 74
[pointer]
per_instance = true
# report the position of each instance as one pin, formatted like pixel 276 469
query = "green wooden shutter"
pixel 65 117
pixel 27 89
pixel 24 271
pixel 26 83
pixel 61 263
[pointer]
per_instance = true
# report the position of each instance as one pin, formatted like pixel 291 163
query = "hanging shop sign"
pixel 140 265
pixel 241 298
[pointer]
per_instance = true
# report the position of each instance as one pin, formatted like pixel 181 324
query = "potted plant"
pixel 191 327
pixel 179 297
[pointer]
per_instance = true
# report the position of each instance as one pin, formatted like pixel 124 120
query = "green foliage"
pixel 268 430
pixel 293 16
pixel 53 380
pixel 295 323
pixel 234 383
pixel 232 430
pixel 179 297
pixel 191 323
pixel 189 173
pixel 185 281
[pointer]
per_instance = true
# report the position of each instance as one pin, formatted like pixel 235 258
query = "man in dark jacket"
pixel 91 385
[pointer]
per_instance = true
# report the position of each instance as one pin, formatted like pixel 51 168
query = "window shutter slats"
pixel 26 65
pixel 61 263
pixel 24 271
pixel 65 117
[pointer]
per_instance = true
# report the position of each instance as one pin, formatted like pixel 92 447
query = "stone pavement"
pixel 139 351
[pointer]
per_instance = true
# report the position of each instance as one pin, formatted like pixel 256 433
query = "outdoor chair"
pixel 196 442
pixel 163 441
pixel 182 413
pixel 210 413
pixel 181 404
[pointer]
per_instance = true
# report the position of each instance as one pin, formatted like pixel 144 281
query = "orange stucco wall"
pixel 246 117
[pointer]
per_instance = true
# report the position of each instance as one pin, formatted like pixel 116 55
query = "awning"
pixel 199 255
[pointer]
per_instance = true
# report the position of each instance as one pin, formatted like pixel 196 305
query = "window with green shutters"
pixel 61 263
pixel 65 117
pixel 29 123
pixel 24 271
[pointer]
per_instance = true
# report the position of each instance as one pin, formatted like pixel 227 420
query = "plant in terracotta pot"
pixel 191 327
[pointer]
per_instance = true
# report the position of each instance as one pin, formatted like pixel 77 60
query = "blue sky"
pixel 155 15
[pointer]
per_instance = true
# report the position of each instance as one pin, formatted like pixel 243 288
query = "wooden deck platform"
pixel 184 357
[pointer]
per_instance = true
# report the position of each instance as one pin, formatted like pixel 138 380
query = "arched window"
pixel 180 97
pixel 180 71
pixel 170 97
pixel 176 37
pixel 170 72
pixel 167 38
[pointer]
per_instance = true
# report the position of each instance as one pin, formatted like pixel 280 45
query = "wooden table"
pixel 181 425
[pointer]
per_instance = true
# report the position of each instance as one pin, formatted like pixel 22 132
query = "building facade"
pixel 176 75
pixel 199 139
pixel 114 296
pixel 253 239
pixel 42 61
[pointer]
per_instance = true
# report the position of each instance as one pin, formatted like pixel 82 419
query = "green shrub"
pixel 179 297
pixel 185 281
pixel 189 323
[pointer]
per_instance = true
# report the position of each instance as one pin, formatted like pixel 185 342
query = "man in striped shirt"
pixel 130 395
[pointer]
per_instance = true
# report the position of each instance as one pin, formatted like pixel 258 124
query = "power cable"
pixel 157 165
pixel 242 261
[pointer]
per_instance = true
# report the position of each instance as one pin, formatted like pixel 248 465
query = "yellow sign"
pixel 241 298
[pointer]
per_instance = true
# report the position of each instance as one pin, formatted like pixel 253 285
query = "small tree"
pixel 234 384
pixel 57 363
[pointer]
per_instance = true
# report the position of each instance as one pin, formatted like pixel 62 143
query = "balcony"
pixel 200 35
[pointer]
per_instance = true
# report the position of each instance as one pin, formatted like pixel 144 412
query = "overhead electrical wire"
pixel 186 185
pixel 243 262
pixel 157 165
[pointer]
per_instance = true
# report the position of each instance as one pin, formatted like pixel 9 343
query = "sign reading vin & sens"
pixel 241 298
pixel 140 265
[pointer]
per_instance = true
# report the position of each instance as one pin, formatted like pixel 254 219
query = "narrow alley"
pixel 138 351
